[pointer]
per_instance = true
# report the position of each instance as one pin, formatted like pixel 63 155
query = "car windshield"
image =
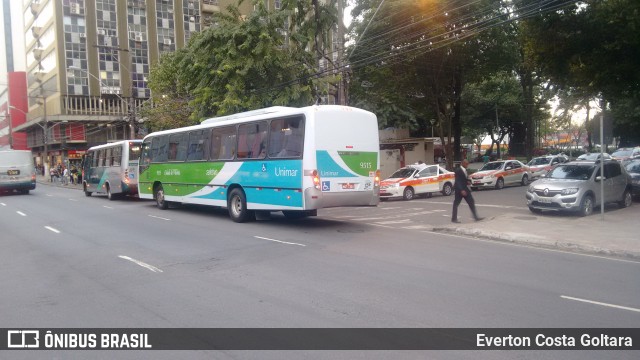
pixel 572 172
pixel 492 166
pixel 633 167
pixel 403 173
pixel 539 161
pixel 622 153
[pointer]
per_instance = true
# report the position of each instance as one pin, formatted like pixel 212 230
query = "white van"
pixel 17 171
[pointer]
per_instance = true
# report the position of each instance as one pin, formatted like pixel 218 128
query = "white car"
pixel 497 174
pixel 541 165
pixel 413 180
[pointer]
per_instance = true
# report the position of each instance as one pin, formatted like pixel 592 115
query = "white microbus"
pixel 17 171
pixel 112 169
pixel 294 160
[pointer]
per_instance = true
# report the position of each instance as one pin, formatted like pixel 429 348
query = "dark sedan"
pixel 633 168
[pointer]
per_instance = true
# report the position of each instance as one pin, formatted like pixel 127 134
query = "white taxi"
pixel 541 165
pixel 497 174
pixel 420 179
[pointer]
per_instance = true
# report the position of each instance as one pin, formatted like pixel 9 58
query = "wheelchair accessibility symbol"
pixel 326 185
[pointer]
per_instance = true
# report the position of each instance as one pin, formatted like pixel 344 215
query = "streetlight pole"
pixel 433 122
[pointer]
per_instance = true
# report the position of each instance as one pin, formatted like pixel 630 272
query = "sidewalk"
pixel 45 180
pixel 618 235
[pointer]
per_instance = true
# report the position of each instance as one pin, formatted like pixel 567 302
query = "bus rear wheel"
pixel 161 203
pixel 237 206
pixel 86 192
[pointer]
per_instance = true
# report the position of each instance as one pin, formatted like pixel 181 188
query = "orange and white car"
pixel 413 180
pixel 541 165
pixel 497 174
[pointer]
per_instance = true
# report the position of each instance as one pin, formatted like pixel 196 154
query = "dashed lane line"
pixel 140 263
pixel 21 213
pixel 52 229
pixel 279 241
pixel 600 303
pixel 158 217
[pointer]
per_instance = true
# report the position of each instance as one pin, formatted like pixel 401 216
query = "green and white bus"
pixel 294 160
pixel 112 169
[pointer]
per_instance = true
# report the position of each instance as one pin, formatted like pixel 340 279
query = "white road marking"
pixel 600 303
pixel 279 241
pixel 108 207
pixel 158 217
pixel 469 237
pixel 138 262
pixel 393 222
pixel 52 229
pixel 3 204
pixel 73 200
pixel 49 195
pixel 21 213
pixel 482 205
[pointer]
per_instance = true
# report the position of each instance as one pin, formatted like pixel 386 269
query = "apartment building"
pixel 87 66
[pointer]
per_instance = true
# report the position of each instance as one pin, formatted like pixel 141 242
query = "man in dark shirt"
pixel 462 191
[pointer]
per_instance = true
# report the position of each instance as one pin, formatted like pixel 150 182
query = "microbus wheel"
pixel 110 195
pixel 586 206
pixel 525 180
pixel 86 193
pixel 161 203
pixel 408 193
pixel 500 184
pixel 447 190
pixel 237 206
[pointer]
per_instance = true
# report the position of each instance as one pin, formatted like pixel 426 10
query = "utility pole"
pixel 342 85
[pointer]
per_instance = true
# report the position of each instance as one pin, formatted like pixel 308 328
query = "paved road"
pixel 73 261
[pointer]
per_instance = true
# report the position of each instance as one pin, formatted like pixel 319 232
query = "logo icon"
pixel 326 185
pixel 264 167
pixel 23 339
pixel 546 192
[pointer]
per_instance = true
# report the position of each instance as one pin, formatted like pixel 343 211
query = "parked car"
pixel 575 186
pixel 593 156
pixel 413 180
pixel 625 154
pixel 633 168
pixel 497 174
pixel 542 164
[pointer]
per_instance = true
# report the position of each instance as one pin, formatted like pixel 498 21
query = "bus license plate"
pixel 348 186
pixel 13 172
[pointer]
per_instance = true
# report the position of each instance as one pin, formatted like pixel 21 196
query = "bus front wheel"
pixel 237 205
pixel 161 203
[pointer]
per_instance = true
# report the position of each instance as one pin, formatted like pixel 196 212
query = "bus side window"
pixel 109 157
pixel 252 140
pixel 223 143
pixel 162 148
pixel 286 138
pixel 101 155
pixel 117 156
pixel 94 159
pixel 195 151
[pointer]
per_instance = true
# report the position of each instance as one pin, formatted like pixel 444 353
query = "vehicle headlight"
pixel 531 189
pixel 569 191
pixel 396 185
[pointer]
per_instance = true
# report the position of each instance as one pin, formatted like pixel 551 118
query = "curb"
pixel 536 241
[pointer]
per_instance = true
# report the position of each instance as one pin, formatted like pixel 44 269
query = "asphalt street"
pixel 76 261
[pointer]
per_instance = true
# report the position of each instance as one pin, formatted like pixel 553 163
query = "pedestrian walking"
pixel 65 177
pixel 462 191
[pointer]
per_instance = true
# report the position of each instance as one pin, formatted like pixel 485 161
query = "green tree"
pixel 243 63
